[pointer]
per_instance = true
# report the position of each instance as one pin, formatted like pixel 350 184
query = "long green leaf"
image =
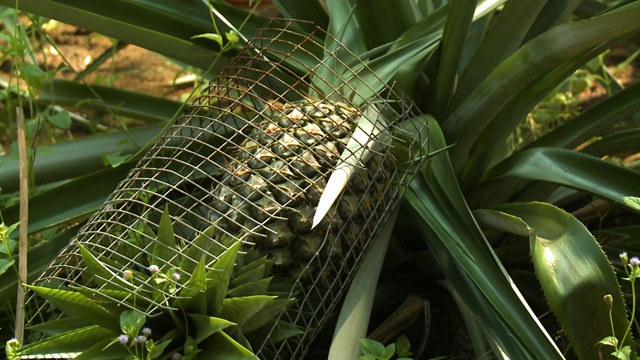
pixel 106 98
pixel 554 13
pixel 221 346
pixel 71 201
pixel 163 30
pixel 71 159
pixel 614 143
pixel 38 258
pixel 491 143
pixel 164 248
pixel 242 310
pixel 192 296
pixel 505 37
pixel 466 258
pixel 310 10
pixel 571 169
pixel 219 277
pixel 525 65
pixel 374 16
pixel 77 304
pixel 206 325
pixel 345 42
pixel 70 342
pixel 575 275
pixel 454 38
pixel 593 120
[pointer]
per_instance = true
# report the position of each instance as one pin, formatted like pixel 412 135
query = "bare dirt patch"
pixel 132 68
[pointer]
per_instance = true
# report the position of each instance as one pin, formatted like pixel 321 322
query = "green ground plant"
pixel 494 219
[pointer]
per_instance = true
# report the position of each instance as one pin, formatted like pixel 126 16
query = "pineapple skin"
pixel 274 182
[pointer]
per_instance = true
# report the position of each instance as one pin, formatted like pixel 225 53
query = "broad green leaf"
pixel 131 322
pixel 192 296
pixel 632 202
pixel 74 341
pixel 445 222
pixel 389 351
pixel 575 275
pixel 572 169
pixel 6 264
pixel 266 315
pixel 218 279
pixel 74 303
pixel 454 38
pixel 197 250
pixel 242 310
pixel 164 248
pixel 206 326
pixel 251 288
pixel 491 219
pixel 221 346
pixel 157 349
pixel 371 347
pixel 61 120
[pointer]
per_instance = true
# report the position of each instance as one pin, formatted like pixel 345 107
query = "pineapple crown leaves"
pixel 219 295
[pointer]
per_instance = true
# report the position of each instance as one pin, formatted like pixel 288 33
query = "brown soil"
pixel 132 68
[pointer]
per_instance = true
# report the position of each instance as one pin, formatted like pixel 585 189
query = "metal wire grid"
pixel 200 158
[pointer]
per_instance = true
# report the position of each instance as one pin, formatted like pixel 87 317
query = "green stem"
pixel 633 307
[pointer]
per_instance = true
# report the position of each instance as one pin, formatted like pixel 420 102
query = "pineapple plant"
pixel 250 163
pixel 278 167
pixel 278 177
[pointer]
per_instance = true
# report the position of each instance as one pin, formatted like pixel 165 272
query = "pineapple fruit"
pixel 276 178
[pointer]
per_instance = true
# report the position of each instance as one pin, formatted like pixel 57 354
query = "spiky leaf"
pixel 575 275
pixel 74 303
pixel 219 276
pixel 207 325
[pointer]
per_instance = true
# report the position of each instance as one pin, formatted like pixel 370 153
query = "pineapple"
pixel 275 181
pixel 337 118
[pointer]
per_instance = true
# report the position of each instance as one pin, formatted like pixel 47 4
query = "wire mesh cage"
pixel 247 164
